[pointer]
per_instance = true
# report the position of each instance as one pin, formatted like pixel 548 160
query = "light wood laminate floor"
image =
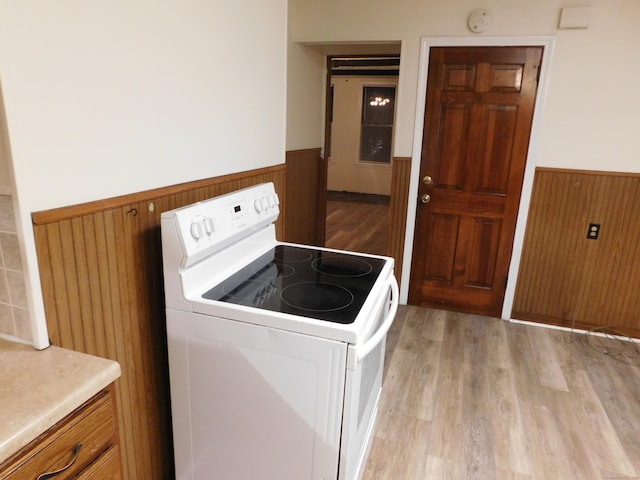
pixel 470 397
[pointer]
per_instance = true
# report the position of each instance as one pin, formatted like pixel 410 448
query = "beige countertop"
pixel 40 387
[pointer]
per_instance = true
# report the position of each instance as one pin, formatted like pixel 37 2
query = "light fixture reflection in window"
pixel 379 102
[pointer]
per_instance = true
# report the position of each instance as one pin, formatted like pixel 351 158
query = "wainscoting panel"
pixel 567 279
pixel 304 199
pixel 101 271
pixel 400 177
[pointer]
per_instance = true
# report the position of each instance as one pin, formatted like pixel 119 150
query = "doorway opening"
pixel 361 93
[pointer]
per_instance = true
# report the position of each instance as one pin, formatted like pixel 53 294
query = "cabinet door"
pixel 93 426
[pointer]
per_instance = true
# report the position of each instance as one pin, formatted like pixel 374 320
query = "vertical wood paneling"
pixel 303 196
pixel 101 272
pixel 400 176
pixel 563 275
pixel 78 308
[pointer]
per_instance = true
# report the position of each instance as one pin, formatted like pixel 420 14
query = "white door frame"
pixel 426 43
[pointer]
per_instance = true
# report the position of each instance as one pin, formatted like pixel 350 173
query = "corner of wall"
pixel 14 312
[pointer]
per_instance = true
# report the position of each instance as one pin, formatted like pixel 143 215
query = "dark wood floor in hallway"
pixel 472 398
pixel 359 223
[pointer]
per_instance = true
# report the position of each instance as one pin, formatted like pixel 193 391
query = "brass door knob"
pixel 425 198
pixel 427 180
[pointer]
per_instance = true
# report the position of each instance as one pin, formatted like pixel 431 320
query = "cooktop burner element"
pixel 292 255
pixel 341 267
pixel 308 282
pixel 316 297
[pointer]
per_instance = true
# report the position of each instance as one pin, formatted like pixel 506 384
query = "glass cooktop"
pixel 329 286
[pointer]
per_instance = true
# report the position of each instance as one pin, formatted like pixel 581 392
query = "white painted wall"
pixel 591 112
pixel 305 97
pixel 110 98
pixel 345 170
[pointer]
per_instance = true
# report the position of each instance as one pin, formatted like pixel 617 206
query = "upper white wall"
pixel 108 98
pixel 590 115
pixel 346 172
pixel 115 97
pixel 305 98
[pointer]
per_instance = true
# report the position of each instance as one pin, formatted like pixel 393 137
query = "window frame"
pixel 366 88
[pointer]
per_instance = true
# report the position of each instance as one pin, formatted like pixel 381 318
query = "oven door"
pixel 365 363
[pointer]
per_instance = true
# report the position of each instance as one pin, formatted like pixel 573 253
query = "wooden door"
pixel 478 115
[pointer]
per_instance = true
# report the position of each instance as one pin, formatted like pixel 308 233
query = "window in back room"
pixel 376 129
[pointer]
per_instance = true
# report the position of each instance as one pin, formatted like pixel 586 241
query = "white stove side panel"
pixel 253 402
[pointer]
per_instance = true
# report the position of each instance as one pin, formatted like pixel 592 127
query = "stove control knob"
pixel 258 205
pixel 209 226
pixel 196 230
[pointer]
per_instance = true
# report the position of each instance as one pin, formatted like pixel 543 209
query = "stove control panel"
pixel 208 226
pixel 202 227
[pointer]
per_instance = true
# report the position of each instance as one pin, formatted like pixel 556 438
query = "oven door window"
pixel 369 382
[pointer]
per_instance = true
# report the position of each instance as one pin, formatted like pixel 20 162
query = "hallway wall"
pixel 346 172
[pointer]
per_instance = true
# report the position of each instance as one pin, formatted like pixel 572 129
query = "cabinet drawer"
pixel 106 467
pixel 93 425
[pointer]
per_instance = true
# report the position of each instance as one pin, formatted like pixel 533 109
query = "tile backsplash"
pixel 14 314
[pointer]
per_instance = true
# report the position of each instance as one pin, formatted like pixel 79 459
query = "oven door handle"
pixel 368 346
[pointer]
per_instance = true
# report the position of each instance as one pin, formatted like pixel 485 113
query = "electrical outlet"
pixel 594 231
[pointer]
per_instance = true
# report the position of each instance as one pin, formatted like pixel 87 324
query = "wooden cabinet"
pixel 85 442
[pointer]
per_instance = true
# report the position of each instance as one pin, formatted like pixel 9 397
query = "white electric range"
pixel 276 350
